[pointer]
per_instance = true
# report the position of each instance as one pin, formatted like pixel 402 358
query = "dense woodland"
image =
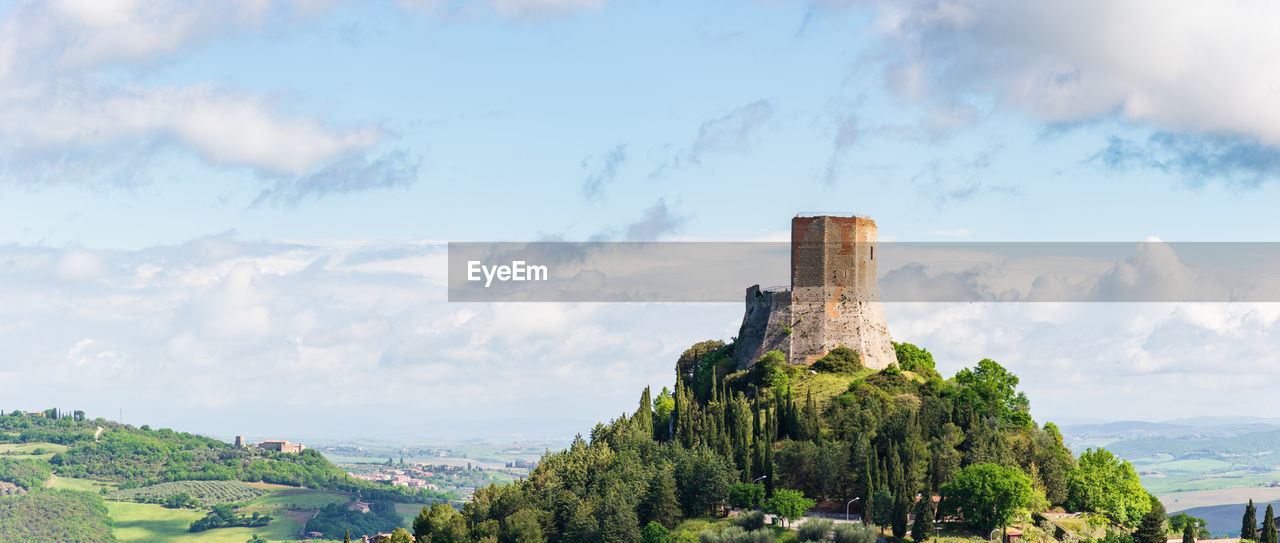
pixel 336 521
pixel 55 515
pixel 889 438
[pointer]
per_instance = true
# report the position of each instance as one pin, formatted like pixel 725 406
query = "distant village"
pixel 278 445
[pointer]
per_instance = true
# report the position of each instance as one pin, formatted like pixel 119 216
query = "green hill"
pixel 55 515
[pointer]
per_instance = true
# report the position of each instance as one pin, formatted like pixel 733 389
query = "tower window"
pixel 873 253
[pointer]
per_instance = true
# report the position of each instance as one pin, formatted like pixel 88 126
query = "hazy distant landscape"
pixel 1206 466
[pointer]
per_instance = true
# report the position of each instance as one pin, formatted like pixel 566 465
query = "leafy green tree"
pixel 440 523
pixel 1268 534
pixel 914 359
pixel 690 357
pixel 991 389
pixel 401 535
pixel 1151 529
pixel 1179 521
pixel 987 495
pixel 663 405
pixel 922 529
pixel 1249 524
pixel 1103 483
pixel 256 539
pixel 522 527
pixel 746 495
pixel 656 533
pixel 180 500
pixel 1189 534
pixel 789 504
pixel 346 538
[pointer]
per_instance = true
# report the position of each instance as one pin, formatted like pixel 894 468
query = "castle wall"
pixel 763 325
pixel 834 298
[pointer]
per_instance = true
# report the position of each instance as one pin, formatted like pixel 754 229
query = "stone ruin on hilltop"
pixel 833 299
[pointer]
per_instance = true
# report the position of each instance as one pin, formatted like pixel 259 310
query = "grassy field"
pixel 149 522
pixel 825 386
pixel 409 511
pixel 300 498
pixel 1162 484
pixel 29 450
pixel 84 485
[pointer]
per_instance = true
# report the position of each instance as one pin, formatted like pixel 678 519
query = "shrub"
pixel 734 534
pixel 854 533
pixel 840 360
pixel 772 370
pixel 750 520
pixel 655 533
pixel 814 529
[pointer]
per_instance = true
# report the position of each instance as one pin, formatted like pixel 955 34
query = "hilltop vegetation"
pixel 135 457
pixel 831 432
pixel 55 515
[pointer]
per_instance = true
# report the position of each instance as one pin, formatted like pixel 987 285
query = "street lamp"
pixel 846 507
pixel 756 480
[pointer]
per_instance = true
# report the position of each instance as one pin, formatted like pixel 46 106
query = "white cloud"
pixel 186 335
pixel 66 112
pixel 1180 65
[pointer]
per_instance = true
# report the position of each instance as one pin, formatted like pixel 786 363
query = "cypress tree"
pixel 868 493
pixel 768 469
pixel 1268 534
pixel 1189 533
pixel 812 426
pixel 644 415
pixel 1249 524
pixel 901 512
pixel 923 527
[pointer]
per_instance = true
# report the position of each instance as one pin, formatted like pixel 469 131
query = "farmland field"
pixel 409 511
pixel 149 522
pixel 300 498
pixel 208 493
pixel 43 451
pixel 72 483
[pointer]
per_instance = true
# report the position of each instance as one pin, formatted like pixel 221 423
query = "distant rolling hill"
pixel 1226 519
pixel 1190 454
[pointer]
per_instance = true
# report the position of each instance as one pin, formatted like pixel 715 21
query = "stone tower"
pixel 833 299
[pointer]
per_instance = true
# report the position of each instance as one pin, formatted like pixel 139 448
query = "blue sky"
pixel 252 194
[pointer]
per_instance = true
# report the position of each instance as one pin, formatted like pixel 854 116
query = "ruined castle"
pixel 833 299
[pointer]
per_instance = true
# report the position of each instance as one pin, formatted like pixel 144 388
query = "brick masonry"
pixel 833 299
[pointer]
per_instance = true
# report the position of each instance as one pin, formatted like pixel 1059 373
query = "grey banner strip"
pixel 903 271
